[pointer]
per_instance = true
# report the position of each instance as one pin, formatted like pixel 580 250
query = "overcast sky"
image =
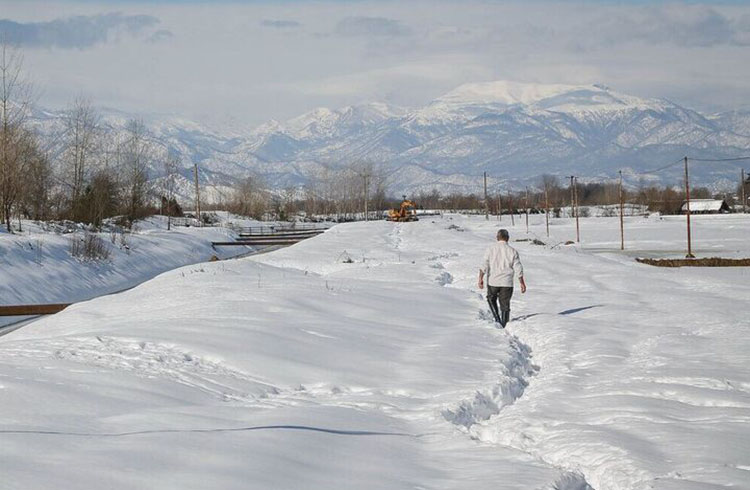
pixel 253 61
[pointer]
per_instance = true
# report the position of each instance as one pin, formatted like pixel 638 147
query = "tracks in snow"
pixel 512 380
pixel 151 360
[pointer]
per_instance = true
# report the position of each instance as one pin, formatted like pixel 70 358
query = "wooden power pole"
pixel 572 199
pixel 499 206
pixel 486 201
pixel 622 219
pixel 546 206
pixel 575 194
pixel 742 191
pixel 367 193
pixel 687 209
pixel 526 205
pixel 197 195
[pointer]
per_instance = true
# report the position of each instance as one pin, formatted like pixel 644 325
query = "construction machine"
pixel 407 212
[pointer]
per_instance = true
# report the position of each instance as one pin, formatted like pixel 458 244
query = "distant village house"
pixel 706 206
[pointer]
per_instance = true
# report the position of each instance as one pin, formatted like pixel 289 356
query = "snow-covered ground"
pixel 36 266
pixel 364 358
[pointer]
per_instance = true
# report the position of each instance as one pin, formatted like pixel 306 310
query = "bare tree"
pixel 102 195
pixel 15 94
pixel 37 184
pixel 135 156
pixel 169 185
pixel 250 198
pixel 81 124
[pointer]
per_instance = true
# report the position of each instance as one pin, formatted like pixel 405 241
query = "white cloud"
pixel 371 26
pixel 79 31
pixel 259 61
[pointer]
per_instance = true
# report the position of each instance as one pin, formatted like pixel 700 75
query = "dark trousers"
pixel 500 295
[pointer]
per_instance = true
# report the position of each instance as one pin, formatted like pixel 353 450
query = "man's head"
pixel 503 235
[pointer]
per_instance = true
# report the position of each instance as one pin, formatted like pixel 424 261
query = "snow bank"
pixel 364 358
pixel 37 266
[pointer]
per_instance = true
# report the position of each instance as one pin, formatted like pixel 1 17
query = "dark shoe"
pixel 505 318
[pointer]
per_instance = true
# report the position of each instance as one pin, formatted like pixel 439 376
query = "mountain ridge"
pixel 514 131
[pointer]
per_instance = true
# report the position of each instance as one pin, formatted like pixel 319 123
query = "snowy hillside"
pixel 303 369
pixel 41 255
pixel 514 131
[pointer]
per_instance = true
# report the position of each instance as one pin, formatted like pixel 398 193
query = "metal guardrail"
pixel 279 229
pixel 270 235
pixel 185 222
pixel 258 242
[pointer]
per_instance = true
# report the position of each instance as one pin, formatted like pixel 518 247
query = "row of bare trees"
pixel 342 192
pixel 85 170
pixel 550 191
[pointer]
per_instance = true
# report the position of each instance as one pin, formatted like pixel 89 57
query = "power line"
pixel 673 164
pixel 736 159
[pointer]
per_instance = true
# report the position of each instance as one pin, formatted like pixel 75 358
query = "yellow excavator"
pixel 407 212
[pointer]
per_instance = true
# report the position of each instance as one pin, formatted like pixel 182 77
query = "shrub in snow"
pixel 345 258
pixel 89 247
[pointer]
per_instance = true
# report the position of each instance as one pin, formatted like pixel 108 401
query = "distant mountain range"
pixel 514 131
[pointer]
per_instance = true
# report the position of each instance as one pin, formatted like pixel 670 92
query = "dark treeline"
pixel 663 199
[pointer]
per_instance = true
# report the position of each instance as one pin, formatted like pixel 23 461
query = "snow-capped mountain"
pixel 514 131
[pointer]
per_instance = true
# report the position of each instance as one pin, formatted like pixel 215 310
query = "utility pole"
pixel 486 201
pixel 526 205
pixel 742 191
pixel 578 228
pixel 572 199
pixel 687 208
pixel 622 222
pixel 367 192
pixel 546 206
pixel 500 206
pixel 512 211
pixel 197 195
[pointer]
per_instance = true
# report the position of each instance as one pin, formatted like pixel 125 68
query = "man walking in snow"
pixel 501 263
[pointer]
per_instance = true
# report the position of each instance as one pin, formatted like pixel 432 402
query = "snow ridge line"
pixel 210 430
pixel 151 359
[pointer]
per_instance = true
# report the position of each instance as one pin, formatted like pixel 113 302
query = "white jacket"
pixel 501 262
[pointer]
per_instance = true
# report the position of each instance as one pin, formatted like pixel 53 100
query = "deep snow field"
pixel 364 358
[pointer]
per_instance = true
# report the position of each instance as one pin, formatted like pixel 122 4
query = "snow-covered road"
pixel 364 358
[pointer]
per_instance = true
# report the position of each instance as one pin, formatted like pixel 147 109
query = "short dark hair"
pixel 503 234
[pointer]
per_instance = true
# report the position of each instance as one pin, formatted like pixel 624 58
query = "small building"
pixel 705 206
